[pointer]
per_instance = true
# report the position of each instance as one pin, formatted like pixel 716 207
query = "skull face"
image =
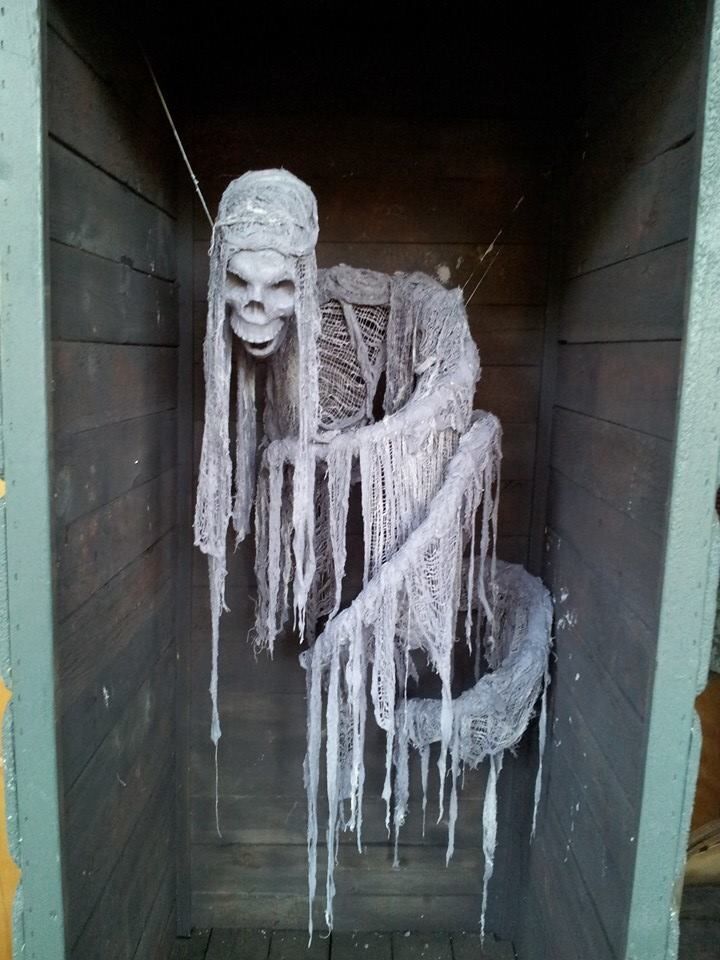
pixel 260 299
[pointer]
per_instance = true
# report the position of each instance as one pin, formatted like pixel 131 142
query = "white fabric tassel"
pixel 542 737
pixel 490 830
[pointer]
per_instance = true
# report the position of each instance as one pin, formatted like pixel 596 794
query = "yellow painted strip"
pixel 3 487
pixel 9 871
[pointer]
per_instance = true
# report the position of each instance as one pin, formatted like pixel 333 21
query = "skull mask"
pixel 260 299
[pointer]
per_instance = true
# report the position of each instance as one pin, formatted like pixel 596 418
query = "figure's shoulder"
pixel 354 285
pixel 362 287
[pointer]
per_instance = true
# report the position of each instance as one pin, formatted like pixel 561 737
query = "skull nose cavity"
pixel 254 312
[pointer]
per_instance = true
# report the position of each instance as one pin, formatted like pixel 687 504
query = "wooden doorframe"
pixel 25 395
pixel 690 577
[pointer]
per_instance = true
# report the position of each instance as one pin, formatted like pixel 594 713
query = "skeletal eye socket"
pixel 237 281
pixel 284 286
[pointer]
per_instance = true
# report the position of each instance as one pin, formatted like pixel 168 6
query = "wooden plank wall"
pixel 115 336
pixel 620 297
pixel 392 195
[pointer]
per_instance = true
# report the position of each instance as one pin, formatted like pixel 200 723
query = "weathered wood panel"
pixel 120 140
pixel 114 369
pixel 98 383
pixel 632 384
pixel 645 209
pixel 92 211
pixel 637 299
pixel 98 545
pixel 628 470
pixel 626 555
pixel 102 300
pixel 106 802
pixel 368 146
pixel 95 711
pixel 115 928
pixel 353 911
pixel 95 466
pixel 456 210
pixel 580 589
pixel 629 199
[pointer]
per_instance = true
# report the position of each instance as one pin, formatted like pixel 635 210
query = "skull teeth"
pixel 258 333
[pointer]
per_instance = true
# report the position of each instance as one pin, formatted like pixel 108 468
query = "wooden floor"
pixel 292 945
pixel 699 940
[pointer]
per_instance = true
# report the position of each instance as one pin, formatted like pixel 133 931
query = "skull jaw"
pixel 260 340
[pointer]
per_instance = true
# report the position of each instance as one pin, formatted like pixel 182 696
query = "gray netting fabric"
pixel 428 469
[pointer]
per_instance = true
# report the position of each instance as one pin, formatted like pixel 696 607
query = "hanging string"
pixel 165 107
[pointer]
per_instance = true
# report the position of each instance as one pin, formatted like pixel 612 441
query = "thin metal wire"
pixel 178 140
pixel 488 250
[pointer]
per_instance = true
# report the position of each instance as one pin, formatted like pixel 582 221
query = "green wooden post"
pixel 690 575
pixel 24 345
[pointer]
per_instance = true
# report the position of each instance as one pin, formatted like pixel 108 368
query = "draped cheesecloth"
pixel 262 210
pixel 428 468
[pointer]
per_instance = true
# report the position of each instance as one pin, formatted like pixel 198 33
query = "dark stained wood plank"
pixel 158 937
pixel 89 639
pixel 511 393
pixel 632 384
pixel 104 128
pixel 654 118
pixel 517 276
pixel 97 383
pixel 119 673
pixel 353 911
pixel 421 946
pixel 238 945
pixel 560 893
pixel 257 869
pixel 610 631
pixel 453 211
pixel 107 801
pixel 293 945
pixel 470 946
pixel 518 451
pixel 633 49
pixel 393 149
pixel 104 40
pixel 98 545
pixel 644 209
pixel 92 298
pixel 92 211
pixel 361 946
pixel 515 501
pixel 637 299
pixel 513 549
pixel 93 467
pixel 116 924
pixel 624 554
pixel 604 852
pixel 283 819
pixel 628 470
pixel 193 947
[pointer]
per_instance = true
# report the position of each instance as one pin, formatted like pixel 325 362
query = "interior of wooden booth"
pixel 424 131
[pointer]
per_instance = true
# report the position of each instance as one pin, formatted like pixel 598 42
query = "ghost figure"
pixel 370 383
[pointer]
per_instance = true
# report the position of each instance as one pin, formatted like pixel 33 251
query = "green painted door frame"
pixel 690 577
pixel 24 341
